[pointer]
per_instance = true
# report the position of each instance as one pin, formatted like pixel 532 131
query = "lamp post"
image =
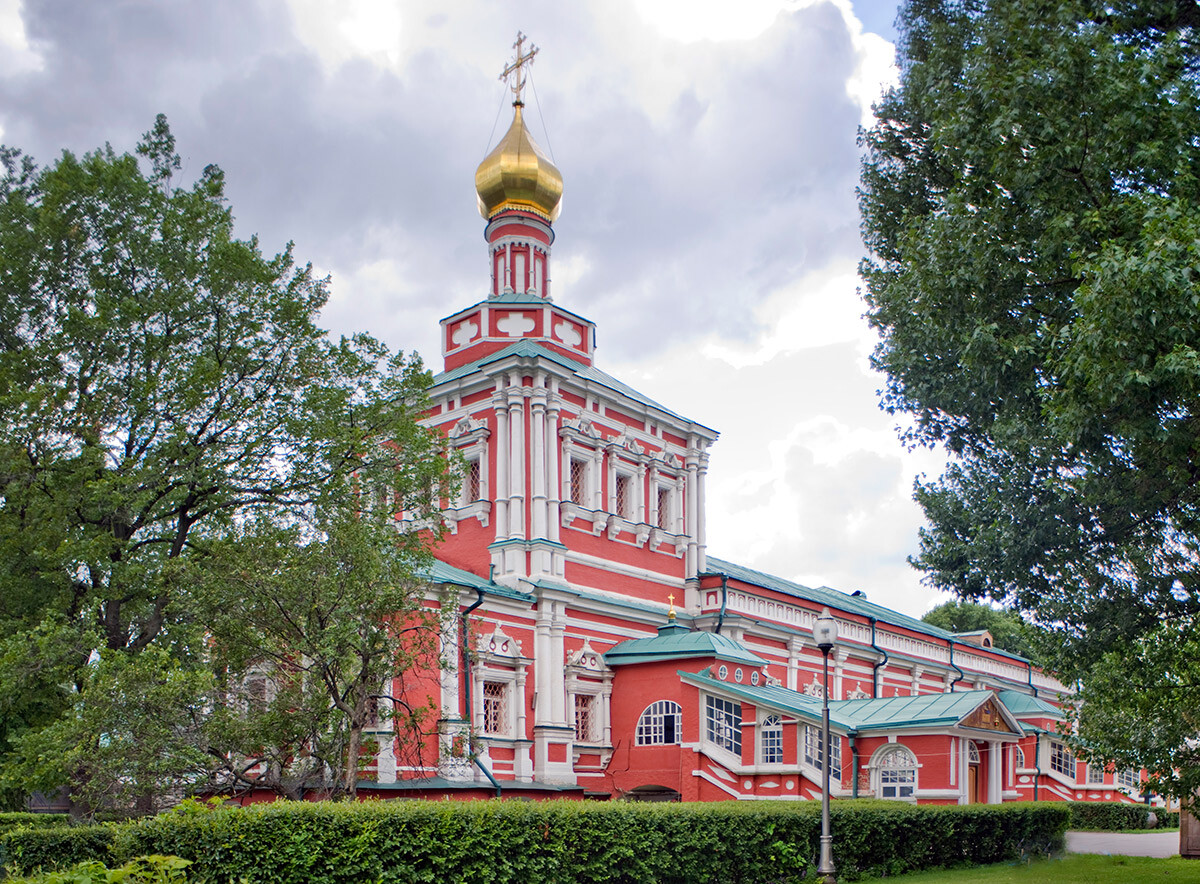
pixel 825 635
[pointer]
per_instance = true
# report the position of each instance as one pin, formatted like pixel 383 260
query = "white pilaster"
pixel 516 457
pixel 995 773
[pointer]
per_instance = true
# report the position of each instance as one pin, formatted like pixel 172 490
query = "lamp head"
pixel 825 631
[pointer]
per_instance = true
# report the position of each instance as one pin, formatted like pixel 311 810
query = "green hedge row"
pixel 555 841
pixel 1113 817
pixel 32 820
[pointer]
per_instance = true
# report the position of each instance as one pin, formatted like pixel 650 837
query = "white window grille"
pixel 1128 779
pixel 770 735
pixel 585 718
pixel 659 725
pixel 472 481
pixel 813 754
pixel 1018 757
pixel 972 753
pixel 664 509
pixel 623 496
pixel 1061 759
pixel 1095 774
pixel 723 724
pixel 495 708
pixel 898 774
pixel 579 483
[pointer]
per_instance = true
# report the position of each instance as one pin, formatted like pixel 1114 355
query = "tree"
pixel 1009 632
pixel 161 382
pixel 324 615
pixel 1030 202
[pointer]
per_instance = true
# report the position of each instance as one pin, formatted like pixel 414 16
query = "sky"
pixel 709 224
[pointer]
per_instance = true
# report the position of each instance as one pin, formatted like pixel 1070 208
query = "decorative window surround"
pixel 470 437
pixel 588 684
pixel 501 665
pixel 770 740
pixel 894 771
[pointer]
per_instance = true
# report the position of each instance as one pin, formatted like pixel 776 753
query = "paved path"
pixel 1160 844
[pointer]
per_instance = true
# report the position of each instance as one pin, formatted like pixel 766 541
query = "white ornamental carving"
pixel 568 334
pixel 465 333
pixel 466 426
pixel 499 644
pixel 516 324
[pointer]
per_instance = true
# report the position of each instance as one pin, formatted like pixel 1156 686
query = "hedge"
pixel 10 821
pixel 557 842
pixel 1099 816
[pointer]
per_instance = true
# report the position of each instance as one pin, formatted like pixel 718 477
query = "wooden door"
pixel 972 781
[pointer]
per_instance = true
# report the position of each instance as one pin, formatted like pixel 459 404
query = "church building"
pixel 598 651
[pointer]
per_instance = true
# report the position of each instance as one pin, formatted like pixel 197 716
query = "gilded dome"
pixel 517 175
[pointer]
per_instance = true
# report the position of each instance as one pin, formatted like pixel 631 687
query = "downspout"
pixel 466 666
pixel 961 675
pixel 854 764
pixel 724 601
pixel 875 669
pixel 1031 685
pixel 1037 765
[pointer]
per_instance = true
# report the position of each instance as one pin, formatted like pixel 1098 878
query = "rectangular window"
pixel 664 509
pixel 623 496
pixel 771 740
pixel 897 782
pixel 723 724
pixel 495 708
pixel 472 481
pixel 1128 779
pixel 585 718
pixel 1061 760
pixel 1095 774
pixel 579 481
pixel 812 751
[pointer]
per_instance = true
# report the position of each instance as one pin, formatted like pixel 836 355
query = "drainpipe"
pixel 724 601
pixel 875 669
pixel 961 675
pixel 466 667
pixel 1031 686
pixel 1037 765
pixel 854 764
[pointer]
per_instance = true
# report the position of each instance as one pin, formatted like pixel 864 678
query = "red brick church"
pixel 602 653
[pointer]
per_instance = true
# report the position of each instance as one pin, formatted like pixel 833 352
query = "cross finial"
pixel 513 73
pixel 671 613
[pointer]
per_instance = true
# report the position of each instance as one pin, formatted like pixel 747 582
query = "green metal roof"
pixel 679 644
pixel 842 601
pixel 440 572
pixel 1024 704
pixel 934 710
pixel 528 348
pixel 856 716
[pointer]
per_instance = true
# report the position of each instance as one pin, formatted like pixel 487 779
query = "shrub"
pixel 9 821
pixel 1106 817
pixel 27 850
pixel 562 842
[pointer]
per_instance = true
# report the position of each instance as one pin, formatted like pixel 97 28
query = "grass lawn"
pixel 1079 868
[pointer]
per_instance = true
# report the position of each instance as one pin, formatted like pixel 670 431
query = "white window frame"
pixel 1062 759
pixel 722 725
pixel 1095 774
pixel 652 724
pixel 770 740
pixel 812 751
pixel 1130 779
pixel 895 781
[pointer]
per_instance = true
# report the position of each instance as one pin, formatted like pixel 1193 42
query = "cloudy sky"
pixel 709 223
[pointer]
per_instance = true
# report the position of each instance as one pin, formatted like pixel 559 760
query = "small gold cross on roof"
pixel 671 613
pixel 513 73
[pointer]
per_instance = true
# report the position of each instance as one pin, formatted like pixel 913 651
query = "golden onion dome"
pixel 517 175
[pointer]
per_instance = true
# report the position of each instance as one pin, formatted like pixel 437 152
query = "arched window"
pixel 659 724
pixel 897 773
pixel 1018 758
pixel 972 753
pixel 770 740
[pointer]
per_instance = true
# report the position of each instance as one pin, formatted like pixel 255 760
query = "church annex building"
pixel 607 655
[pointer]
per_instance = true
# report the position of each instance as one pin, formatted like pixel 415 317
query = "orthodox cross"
pixel 513 75
pixel 671 613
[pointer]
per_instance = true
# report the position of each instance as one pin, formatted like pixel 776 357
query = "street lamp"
pixel 825 635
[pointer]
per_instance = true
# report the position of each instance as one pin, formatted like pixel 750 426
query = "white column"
pixel 537 426
pixel 995 773
pixel 553 514
pixel 701 515
pixel 795 646
pixel 542 677
pixel 964 764
pixel 516 457
pixel 500 405
pixel 690 501
pixel 598 480
pixel 557 663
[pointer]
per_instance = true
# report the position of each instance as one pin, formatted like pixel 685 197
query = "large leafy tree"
pixel 162 383
pixel 1031 202
pixel 1009 632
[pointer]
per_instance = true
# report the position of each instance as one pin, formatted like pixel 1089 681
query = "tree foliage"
pixel 163 384
pixel 1031 202
pixel 1009 632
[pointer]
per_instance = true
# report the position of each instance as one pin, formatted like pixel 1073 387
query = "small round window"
pixel 737 674
pixel 754 677
pixel 723 673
